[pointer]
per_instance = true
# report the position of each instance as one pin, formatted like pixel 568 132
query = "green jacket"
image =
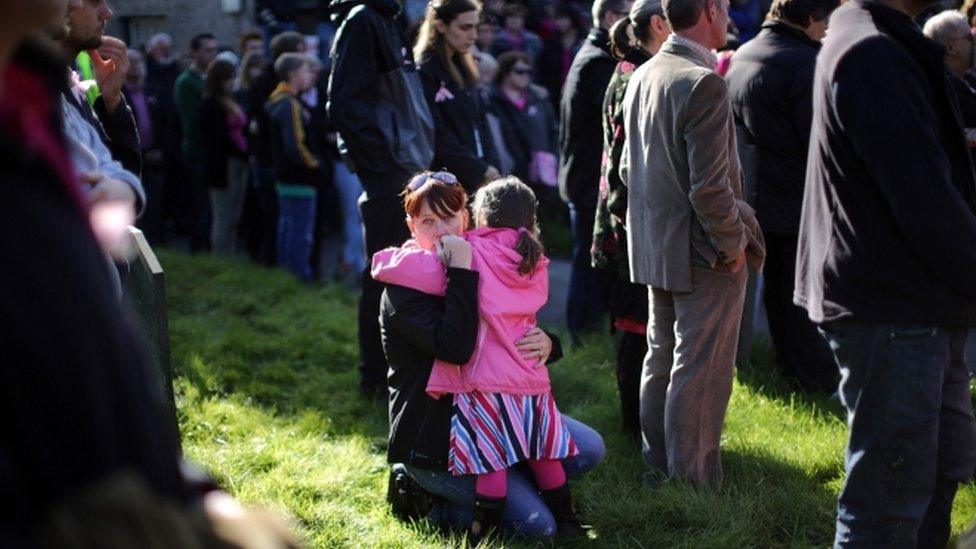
pixel 188 93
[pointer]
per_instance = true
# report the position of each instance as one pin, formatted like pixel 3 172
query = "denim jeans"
pixel 586 306
pixel 525 513
pixel 350 189
pixel 296 222
pixel 912 434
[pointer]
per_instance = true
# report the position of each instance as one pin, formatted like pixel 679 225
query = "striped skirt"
pixel 493 431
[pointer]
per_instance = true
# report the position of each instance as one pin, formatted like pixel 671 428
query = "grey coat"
pixel 682 170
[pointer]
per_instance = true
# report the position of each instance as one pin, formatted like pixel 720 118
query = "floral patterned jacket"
pixel 609 250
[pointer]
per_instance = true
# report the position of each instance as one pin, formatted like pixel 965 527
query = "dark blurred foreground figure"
pixel 771 87
pixel 87 458
pixel 887 267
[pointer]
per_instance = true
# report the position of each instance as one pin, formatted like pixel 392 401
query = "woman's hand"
pixel 454 251
pixel 535 345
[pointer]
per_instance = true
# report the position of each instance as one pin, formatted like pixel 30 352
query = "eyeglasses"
pixel 420 180
pixel 521 71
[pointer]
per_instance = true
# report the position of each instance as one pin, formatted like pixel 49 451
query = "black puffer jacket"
pixel 771 88
pixel 375 95
pixel 462 140
pixel 525 131
pixel 580 128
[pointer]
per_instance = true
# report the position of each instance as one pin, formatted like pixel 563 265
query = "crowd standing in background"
pixel 695 141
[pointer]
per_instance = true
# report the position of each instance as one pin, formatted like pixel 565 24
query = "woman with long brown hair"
pixel 223 123
pixel 449 72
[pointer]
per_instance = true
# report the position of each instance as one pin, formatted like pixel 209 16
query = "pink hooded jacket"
pixel 507 304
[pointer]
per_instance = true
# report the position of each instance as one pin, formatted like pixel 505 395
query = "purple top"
pixel 235 126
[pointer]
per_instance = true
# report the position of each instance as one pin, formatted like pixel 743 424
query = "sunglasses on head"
pixel 420 180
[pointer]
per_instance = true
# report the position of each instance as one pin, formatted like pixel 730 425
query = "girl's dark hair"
pixel 431 42
pixel 218 73
pixel 509 203
pixel 630 32
pixel 621 38
pixel 444 200
pixel 507 62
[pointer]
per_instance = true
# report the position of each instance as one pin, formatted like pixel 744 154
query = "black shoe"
pixel 408 501
pixel 560 504
pixel 487 518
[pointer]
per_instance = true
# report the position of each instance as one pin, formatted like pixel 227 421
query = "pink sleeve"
pixel 411 267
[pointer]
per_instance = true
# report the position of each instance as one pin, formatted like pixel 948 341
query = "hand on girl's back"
pixel 454 251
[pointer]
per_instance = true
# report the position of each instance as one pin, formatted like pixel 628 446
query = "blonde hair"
pixel 431 42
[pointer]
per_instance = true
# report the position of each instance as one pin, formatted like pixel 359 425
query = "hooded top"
pixel 507 304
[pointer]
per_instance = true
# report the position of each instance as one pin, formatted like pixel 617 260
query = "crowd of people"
pixel 691 142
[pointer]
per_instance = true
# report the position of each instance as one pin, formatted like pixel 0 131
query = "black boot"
pixel 408 501
pixel 487 518
pixel 560 504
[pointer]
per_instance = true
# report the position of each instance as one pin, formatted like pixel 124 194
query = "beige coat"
pixel 682 171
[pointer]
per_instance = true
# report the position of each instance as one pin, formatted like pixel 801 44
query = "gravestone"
pixel 144 292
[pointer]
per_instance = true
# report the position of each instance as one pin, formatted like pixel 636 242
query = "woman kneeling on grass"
pixel 456 430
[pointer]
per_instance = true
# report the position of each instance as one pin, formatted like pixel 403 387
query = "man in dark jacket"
pixel 886 265
pixel 771 87
pixel 385 135
pixel 580 135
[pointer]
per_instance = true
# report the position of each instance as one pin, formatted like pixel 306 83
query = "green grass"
pixel 268 403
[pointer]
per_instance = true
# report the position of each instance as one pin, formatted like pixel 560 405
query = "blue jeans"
pixel 350 189
pixel 912 434
pixel 586 306
pixel 525 513
pixel 296 222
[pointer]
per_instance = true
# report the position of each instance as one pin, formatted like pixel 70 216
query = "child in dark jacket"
pixel 296 164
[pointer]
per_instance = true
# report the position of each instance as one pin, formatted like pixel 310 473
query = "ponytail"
pixel 529 247
pixel 621 38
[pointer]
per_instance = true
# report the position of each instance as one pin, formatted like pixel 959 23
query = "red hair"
pixel 443 199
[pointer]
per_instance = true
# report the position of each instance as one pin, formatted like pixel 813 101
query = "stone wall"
pixel 137 20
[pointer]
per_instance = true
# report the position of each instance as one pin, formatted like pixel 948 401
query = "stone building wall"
pixel 137 20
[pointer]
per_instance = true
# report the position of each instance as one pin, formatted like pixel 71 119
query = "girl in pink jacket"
pixel 504 411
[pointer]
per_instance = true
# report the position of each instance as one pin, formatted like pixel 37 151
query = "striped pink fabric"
pixel 493 431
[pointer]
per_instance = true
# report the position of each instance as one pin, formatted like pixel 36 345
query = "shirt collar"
pixel 703 54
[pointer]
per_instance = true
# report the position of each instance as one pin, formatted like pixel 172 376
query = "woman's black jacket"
pixel 462 140
pixel 218 145
pixel 417 328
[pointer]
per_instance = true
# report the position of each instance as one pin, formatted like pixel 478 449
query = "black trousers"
pixel 630 363
pixel 384 225
pixel 800 349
